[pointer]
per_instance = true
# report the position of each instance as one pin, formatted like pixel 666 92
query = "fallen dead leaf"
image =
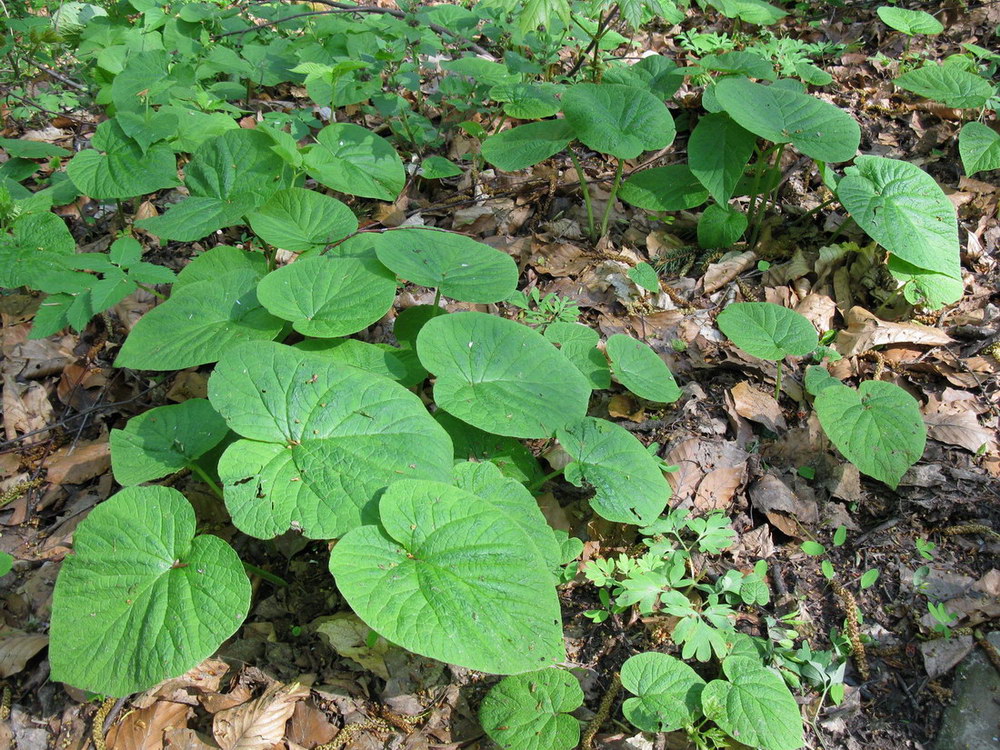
pixel 144 729
pixel 259 724
pixel 17 648
pixel 955 423
pixel 719 274
pixel 758 406
pixel 76 464
pixel 26 408
pixel 348 636
pixel 865 331
pixel 941 655
pixel 309 726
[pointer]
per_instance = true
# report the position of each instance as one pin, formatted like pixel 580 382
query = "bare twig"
pixel 57 75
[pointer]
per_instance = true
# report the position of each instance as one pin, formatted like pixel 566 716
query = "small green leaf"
pixel 668 692
pixel 814 549
pixel 628 481
pixel 672 188
pixel 328 297
pixel 578 343
pixel 979 147
pixel 644 275
pixel 909 22
pixel 948 84
pixel 441 555
pixel 718 151
pixel 869 578
pixel 754 706
pixel 641 370
pixel 619 120
pixel 878 427
pixel 768 331
pixel 526 101
pixel 6 563
pixel 839 536
pixel 828 572
pixel 501 376
pixel 721 226
pixel 142 598
pixel 164 440
pixel 437 167
pixel 459 267
pixel 301 220
pixel 353 160
pixel 527 145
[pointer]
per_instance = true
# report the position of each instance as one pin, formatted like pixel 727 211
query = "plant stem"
pixel 611 199
pixel 585 186
pixel 269 577
pixel 152 291
pixel 777 382
pixel 203 476
pixel 754 187
pixel 437 297
pixel 763 203
pixel 537 485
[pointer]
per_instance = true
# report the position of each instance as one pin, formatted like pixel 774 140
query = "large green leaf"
pixel 657 74
pixel 641 370
pixel 302 220
pixel 322 440
pixel 619 120
pixel 979 147
pixel 459 267
pixel 902 208
pixel 718 152
pixel 447 576
pixel 526 101
pixel 532 711
pixel 199 323
pixel 816 128
pixel 768 331
pixel 221 259
pixel 754 705
pixel 501 376
pixel 668 692
pixel 578 343
pixel 228 177
pixel 36 246
pixel 949 84
pixel 355 161
pixel 527 145
pixel 752 11
pixel 878 427
pixel 24 149
pixel 164 440
pixel 380 359
pixel 672 188
pixel 629 483
pixel 142 598
pixel 122 170
pixel 909 22
pixel 326 296
pixel 510 455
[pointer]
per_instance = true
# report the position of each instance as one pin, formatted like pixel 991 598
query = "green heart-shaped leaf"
pixel 199 323
pixel 370 357
pixel 501 376
pixel 668 692
pixel 949 84
pixel 459 267
pixel 329 438
pixel 532 711
pixel 527 145
pixel 328 297
pixel 619 120
pixel 641 370
pixel 910 22
pixel 578 343
pixel 768 331
pixel 754 706
pixel 164 440
pixel 302 220
pixel 441 555
pixel 672 188
pixel 123 170
pixel 355 161
pixel 526 101
pixel 816 128
pixel 878 427
pixel 718 151
pixel 142 598
pixel 629 482
pixel 508 454
pixel 979 146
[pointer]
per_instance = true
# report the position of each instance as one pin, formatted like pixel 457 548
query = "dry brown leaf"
pixel 144 729
pixel 955 423
pixel 26 408
pixel 720 274
pixel 17 648
pixel 865 331
pixel 205 678
pixel 758 406
pixel 187 739
pixel 716 490
pixel 623 406
pixel 348 636
pixel 76 464
pixel 309 726
pixel 259 724
pixel 558 260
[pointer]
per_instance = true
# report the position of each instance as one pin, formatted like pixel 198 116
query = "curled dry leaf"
pixel 25 408
pixel 865 331
pixel 955 423
pixel 259 724
pixel 348 636
pixel 757 406
pixel 145 729
pixel 17 648
pixel 76 464
pixel 720 274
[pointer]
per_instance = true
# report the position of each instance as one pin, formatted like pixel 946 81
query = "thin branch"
pixel 266 24
pixel 58 76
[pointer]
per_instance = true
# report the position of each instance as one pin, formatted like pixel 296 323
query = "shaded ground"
pixel 737 449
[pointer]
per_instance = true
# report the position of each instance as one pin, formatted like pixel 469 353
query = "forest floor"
pixel 738 450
